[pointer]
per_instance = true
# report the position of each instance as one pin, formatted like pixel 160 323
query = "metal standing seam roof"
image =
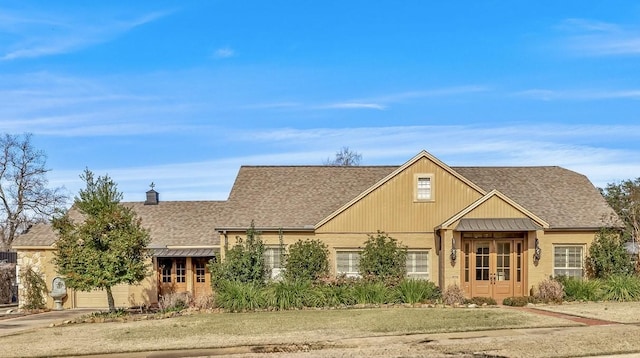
pixel 523 224
pixel 192 252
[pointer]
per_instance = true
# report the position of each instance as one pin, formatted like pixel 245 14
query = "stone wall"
pixel 40 261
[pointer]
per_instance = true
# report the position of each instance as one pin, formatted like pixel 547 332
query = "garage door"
pixel 98 298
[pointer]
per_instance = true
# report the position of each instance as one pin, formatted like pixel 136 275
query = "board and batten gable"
pixel 391 205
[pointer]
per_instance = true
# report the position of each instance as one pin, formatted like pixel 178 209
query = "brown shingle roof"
pixel 171 223
pixel 301 196
pixel 561 197
pixel 296 196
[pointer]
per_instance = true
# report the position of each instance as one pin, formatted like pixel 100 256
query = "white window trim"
pixel 418 274
pixel 582 258
pixel 416 180
pixel 348 273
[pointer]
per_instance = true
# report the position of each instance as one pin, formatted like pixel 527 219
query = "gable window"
pixel 273 260
pixel 347 263
pixel 418 264
pixel 423 187
pixel 568 261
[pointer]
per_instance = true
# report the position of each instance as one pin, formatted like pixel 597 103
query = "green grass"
pixel 355 321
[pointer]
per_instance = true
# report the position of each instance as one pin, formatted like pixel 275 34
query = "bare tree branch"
pixel 345 157
pixel 25 198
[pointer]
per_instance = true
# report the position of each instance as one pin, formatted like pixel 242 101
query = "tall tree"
pixel 624 198
pixel 345 157
pixel 107 246
pixel 25 198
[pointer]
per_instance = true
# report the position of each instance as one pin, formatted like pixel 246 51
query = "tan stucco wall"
pixel 41 260
pixel 544 268
pixel 350 241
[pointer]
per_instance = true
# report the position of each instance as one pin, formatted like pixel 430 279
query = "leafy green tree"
pixel 307 260
pixel 624 198
pixel 383 258
pixel 607 255
pixel 244 262
pixel 107 246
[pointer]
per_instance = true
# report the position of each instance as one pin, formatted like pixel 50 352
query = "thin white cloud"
pixel 520 145
pixel 549 95
pixel 596 38
pixel 353 105
pixel 54 34
pixel 224 52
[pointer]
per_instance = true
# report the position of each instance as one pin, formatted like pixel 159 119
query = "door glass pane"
pixel 503 267
pixel 482 261
pixel 181 270
pixel 466 262
pixel 200 268
pixel 165 267
pixel 519 262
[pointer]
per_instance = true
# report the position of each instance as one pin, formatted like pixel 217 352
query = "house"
pixel 494 231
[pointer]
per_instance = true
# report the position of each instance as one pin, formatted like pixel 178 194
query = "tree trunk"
pixel 112 305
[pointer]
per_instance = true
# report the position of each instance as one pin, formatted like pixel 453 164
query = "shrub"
pixel 244 262
pixel 576 289
pixel 383 259
pixel 35 289
pixel 481 301
pixel 453 295
pixel 336 293
pixel 203 302
pixel 366 292
pixel 238 296
pixel 286 295
pixel 174 302
pixel 307 260
pixel 608 256
pixel 416 291
pixel 621 288
pixel 7 272
pixel 550 290
pixel 516 301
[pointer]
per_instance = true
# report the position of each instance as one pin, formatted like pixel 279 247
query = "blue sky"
pixel 183 93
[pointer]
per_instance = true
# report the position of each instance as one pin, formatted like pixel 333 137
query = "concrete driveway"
pixel 9 326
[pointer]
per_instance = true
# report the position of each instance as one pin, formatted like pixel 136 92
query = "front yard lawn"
pixel 209 330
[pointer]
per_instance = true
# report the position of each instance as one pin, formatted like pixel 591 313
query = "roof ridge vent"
pixel 152 196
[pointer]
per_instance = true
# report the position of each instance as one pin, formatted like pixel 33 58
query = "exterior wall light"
pixel 453 249
pixel 537 251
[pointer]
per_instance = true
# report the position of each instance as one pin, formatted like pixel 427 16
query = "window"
pixel 423 187
pixel 201 270
pixel 181 270
pixel 418 265
pixel 348 262
pixel 165 267
pixel 273 260
pixel 568 261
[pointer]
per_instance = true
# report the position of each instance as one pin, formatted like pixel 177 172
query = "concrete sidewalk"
pixel 9 326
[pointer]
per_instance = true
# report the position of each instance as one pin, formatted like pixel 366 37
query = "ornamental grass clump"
pixel 238 296
pixel 577 289
pixel 286 295
pixel 416 291
pixel 621 288
pixel 367 292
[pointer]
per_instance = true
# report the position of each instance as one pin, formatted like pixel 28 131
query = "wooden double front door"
pixel 494 267
pixel 184 274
